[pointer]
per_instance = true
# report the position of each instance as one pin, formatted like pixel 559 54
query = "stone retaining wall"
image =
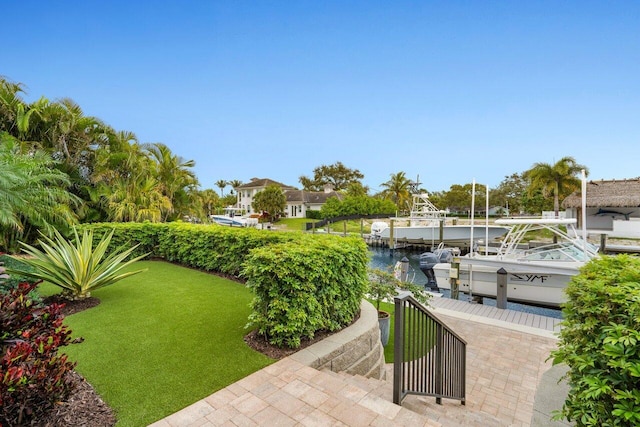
pixel 356 350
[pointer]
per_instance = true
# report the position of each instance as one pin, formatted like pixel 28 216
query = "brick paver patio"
pixel 504 367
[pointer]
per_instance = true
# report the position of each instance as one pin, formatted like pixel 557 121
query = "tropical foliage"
pixel 33 194
pixel 78 168
pixel 600 343
pixel 34 376
pixel 77 269
pixel 384 285
pixel 221 184
pixel 338 176
pixel 271 200
pixel 558 180
pixel 356 205
pixel 398 190
pixel 459 198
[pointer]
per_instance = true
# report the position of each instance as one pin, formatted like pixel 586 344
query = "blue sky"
pixel 452 90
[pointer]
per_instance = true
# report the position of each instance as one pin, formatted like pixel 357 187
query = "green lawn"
pixel 292 224
pixel 162 340
pixel 298 224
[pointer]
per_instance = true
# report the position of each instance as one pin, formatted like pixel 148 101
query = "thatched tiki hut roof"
pixel 610 193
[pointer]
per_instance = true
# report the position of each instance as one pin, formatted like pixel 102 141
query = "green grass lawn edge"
pixel 162 340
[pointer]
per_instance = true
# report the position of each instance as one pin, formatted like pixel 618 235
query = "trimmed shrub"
pixel 306 286
pixel 128 234
pixel 33 376
pixel 215 248
pixel 206 247
pixel 600 343
pixel 303 283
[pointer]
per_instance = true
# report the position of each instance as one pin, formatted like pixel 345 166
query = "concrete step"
pixel 446 414
pixel 362 391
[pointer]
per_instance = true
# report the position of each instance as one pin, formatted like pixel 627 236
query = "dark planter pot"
pixel 384 321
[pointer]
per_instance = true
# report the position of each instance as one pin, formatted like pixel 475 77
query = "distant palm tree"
pixel 558 179
pixel 397 189
pixel 174 175
pixel 234 184
pixel 136 199
pixel 221 183
pixel 209 200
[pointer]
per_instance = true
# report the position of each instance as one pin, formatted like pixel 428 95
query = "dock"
pixel 525 322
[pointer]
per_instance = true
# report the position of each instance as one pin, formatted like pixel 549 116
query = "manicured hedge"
pixel 128 234
pixel 207 247
pixel 600 343
pixel 303 283
pixel 303 288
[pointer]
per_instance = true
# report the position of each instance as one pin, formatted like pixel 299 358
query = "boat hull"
pixel 234 221
pixel 450 233
pixel 533 284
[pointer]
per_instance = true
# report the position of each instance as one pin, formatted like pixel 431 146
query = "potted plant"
pixel 382 286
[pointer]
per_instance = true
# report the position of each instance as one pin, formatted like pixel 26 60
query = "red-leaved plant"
pixel 33 375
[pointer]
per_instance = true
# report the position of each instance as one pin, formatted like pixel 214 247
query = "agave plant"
pixel 77 268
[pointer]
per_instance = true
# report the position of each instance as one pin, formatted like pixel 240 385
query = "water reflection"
pixel 383 258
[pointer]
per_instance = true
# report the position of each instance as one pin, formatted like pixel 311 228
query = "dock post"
pixel 501 294
pixel 392 246
pixel 441 230
pixel 454 275
pixel 404 269
pixel 603 242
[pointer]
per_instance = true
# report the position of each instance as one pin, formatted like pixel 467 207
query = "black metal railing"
pixel 429 358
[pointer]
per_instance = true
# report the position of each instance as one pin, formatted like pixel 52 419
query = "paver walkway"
pixel 504 367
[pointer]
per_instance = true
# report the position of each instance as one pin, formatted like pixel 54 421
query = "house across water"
pixel 613 208
pixel 298 201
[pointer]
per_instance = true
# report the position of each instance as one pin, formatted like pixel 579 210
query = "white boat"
pixel 233 218
pixel 429 225
pixel 536 275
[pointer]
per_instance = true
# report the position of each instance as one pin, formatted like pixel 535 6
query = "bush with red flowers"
pixel 33 375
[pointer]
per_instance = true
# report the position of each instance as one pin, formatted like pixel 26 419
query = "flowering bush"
pixel 33 376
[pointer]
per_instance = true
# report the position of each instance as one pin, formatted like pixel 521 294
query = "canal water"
pixel 383 259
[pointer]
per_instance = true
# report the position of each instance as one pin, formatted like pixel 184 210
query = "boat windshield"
pixel 559 252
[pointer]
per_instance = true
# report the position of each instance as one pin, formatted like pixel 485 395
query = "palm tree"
pixel 120 156
pixel 174 176
pixel 209 200
pixel 558 179
pixel 221 183
pixel 63 129
pixel 137 198
pixel 397 189
pixel 33 194
pixel 10 102
pixel 234 184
